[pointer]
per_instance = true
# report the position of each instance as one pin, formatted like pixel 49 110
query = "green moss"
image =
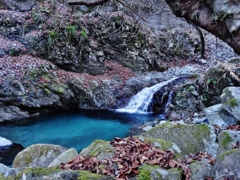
pixel 99 146
pixel 232 102
pixel 144 174
pixel 226 140
pixel 189 138
pixel 47 90
pixel 164 144
pixel 41 171
pixel 59 88
pixel 86 175
pixel 227 153
pixel 2 177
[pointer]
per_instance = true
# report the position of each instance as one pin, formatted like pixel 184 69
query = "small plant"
pixel 211 81
pixel 83 33
pixel 194 76
pixel 232 102
pixel 52 36
pixel 190 89
pixel 71 30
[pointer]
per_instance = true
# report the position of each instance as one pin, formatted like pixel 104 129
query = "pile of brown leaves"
pixel 234 127
pixel 236 145
pixel 129 154
pixel 198 157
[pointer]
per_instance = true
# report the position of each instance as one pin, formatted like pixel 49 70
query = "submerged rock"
pixel 38 155
pixel 8 153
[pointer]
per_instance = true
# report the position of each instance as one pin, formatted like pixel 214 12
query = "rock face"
pixel 39 155
pixel 87 66
pixel 19 5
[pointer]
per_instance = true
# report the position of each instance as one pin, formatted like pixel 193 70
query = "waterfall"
pixel 139 103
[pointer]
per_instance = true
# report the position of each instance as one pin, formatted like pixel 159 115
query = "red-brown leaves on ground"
pixel 236 145
pixel 198 156
pixel 129 154
pixel 234 127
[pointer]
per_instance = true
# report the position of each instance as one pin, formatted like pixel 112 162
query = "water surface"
pixel 72 128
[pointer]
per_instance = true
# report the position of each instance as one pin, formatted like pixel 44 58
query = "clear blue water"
pixel 72 128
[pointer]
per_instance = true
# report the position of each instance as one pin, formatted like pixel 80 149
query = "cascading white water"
pixel 139 103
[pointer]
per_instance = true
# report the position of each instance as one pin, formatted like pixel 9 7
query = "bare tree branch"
pixel 87 2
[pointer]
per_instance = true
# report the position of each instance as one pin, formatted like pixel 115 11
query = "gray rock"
pixel 199 170
pixel 226 139
pixel 150 171
pixel 190 138
pixel 213 116
pixel 4 169
pixel 21 5
pixel 227 165
pixel 98 148
pixel 4 142
pixel 38 155
pixel 230 110
pixel 64 157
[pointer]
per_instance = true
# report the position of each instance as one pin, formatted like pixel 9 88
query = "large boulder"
pixel 190 138
pixel 217 78
pixel 38 155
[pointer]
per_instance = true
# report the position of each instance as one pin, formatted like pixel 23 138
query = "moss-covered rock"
pixel 55 174
pixel 99 148
pixel 150 172
pixel 189 138
pixel 199 170
pixel 230 110
pixel 64 157
pixel 227 165
pixel 226 138
pixel 38 155
pixel 162 144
